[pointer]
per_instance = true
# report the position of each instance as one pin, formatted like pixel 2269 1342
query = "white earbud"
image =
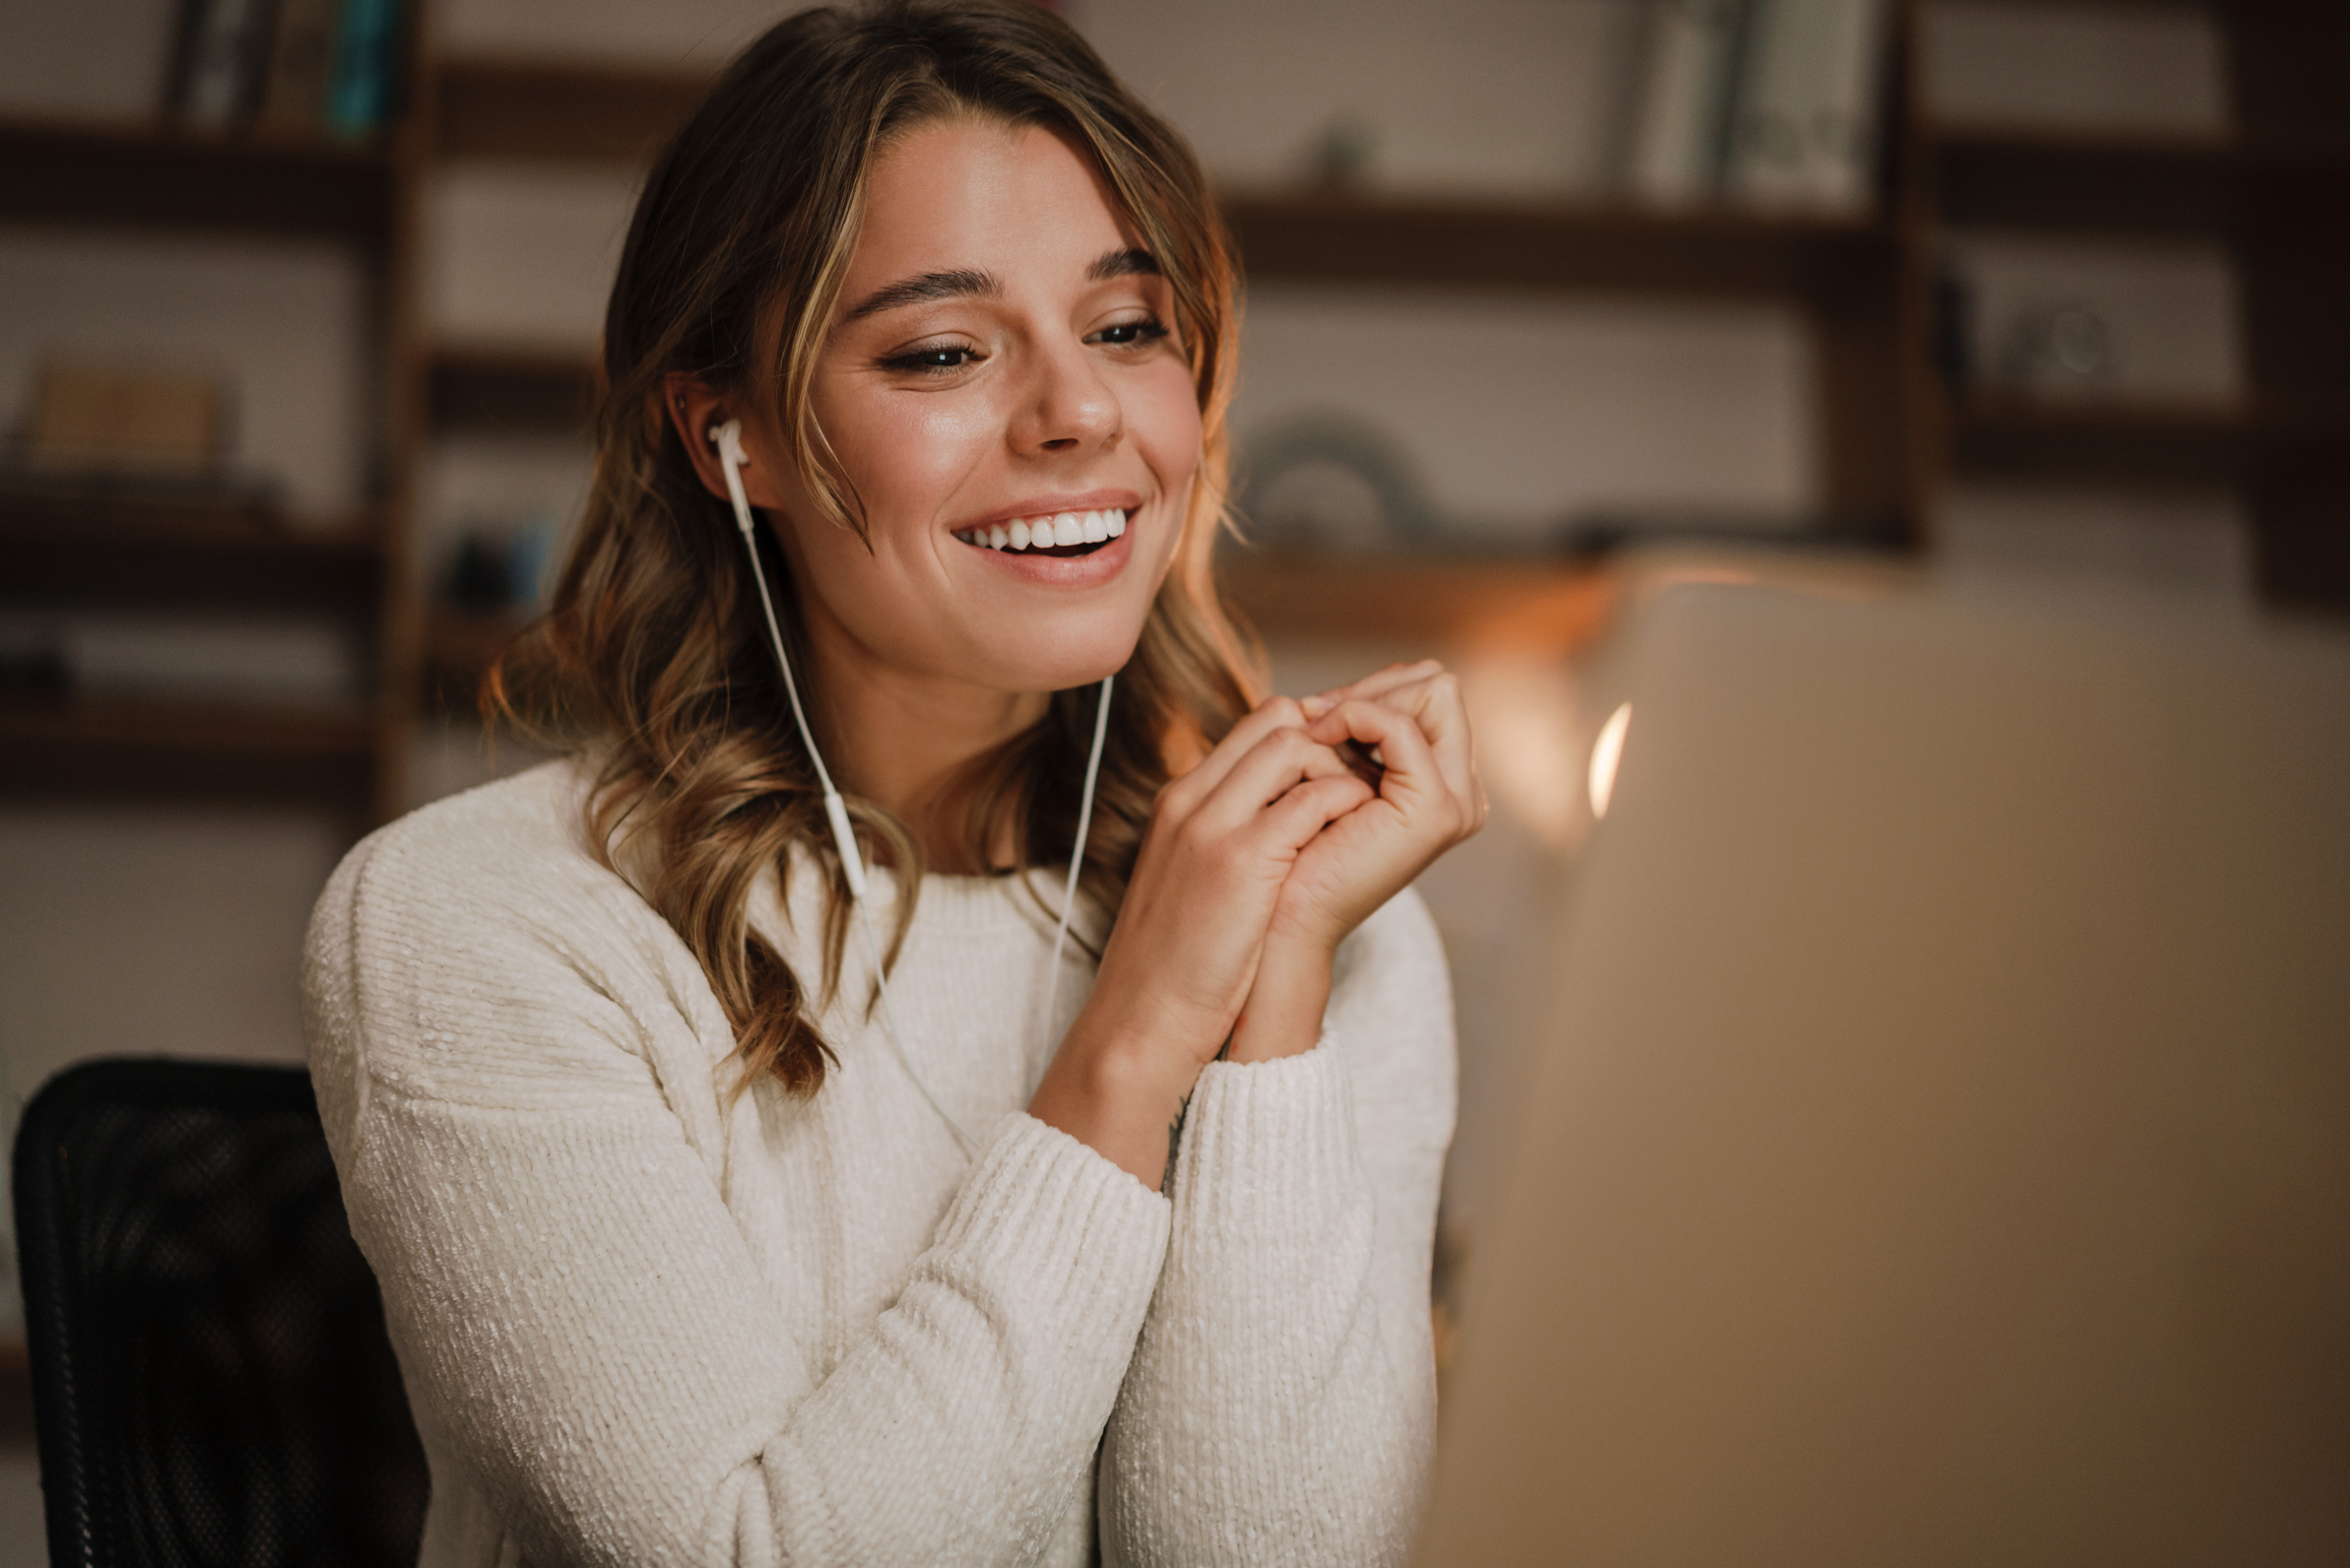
pixel 728 439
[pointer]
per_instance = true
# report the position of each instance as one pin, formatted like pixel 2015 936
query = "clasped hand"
pixel 1257 863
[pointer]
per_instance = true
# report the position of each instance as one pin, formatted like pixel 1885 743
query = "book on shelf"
pixel 301 60
pixel 1803 127
pixel 223 45
pixel 1769 104
pixel 1690 74
pixel 358 94
pixel 295 66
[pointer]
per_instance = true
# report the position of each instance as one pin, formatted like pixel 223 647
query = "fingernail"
pixel 1315 707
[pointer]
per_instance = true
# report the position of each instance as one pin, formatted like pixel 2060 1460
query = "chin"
pixel 1060 656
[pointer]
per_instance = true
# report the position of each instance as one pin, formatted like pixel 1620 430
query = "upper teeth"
pixel 1053 528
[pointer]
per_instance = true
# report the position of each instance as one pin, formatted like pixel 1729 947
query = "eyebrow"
pixel 964 282
pixel 928 286
pixel 1133 262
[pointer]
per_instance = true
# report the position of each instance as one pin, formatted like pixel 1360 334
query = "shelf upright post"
pixel 405 379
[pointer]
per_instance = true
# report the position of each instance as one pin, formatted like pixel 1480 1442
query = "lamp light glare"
pixel 1607 751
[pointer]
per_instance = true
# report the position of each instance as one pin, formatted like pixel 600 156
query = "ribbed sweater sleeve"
pixel 1281 1406
pixel 576 1310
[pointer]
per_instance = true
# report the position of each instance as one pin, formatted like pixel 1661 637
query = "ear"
pixel 694 409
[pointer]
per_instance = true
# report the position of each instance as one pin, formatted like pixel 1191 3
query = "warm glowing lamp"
pixel 1607 751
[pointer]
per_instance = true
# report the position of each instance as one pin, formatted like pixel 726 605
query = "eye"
pixel 1131 334
pixel 934 360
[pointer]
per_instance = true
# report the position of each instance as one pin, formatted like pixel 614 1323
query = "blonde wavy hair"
pixel 653 645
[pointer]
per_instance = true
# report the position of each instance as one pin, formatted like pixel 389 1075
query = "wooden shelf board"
pixel 2083 183
pixel 480 387
pixel 494 107
pixel 89 750
pixel 157 175
pixel 56 550
pixel 2157 443
pixel 189 726
pixel 1436 603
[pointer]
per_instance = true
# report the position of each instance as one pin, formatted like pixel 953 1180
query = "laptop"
pixel 1938 1146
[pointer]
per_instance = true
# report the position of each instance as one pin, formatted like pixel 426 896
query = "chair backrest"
pixel 211 1379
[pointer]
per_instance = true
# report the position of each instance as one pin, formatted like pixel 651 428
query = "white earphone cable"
pixel 728 438
pixel 1077 863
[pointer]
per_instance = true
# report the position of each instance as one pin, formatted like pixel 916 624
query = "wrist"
pixel 1283 1015
pixel 1117 1091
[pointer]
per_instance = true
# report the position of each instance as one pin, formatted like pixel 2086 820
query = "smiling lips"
pixel 1071 530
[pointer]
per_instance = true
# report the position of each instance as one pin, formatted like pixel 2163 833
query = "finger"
pixel 1182 797
pixel 1273 765
pixel 1376 683
pixel 1412 780
pixel 1306 810
pixel 1436 704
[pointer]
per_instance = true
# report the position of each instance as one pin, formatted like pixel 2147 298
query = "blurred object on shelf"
pixel 1344 152
pixel 1333 482
pixel 301 62
pixel 497 573
pixel 1802 128
pixel 222 62
pixel 502 565
pixel 111 417
pixel 1768 104
pixel 478 578
pixel 112 436
pixel 1691 76
pixel 2063 319
pixel 283 661
pixel 279 324
pixel 358 94
pixel 2059 350
pixel 301 66
pixel 2149 69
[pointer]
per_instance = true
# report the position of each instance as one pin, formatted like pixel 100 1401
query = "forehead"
pixel 1017 201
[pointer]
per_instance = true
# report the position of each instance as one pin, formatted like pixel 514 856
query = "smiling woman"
pixel 701 1241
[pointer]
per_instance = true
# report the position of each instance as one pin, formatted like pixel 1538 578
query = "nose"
pixel 1067 407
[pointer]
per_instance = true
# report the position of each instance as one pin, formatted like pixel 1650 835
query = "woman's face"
pixel 1003 355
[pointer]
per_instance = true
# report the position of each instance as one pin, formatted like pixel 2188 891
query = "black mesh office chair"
pixel 211 1380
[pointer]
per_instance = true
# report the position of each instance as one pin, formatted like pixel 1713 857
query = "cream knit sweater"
pixel 642 1323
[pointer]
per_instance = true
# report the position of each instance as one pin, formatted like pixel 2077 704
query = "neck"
pixel 899 738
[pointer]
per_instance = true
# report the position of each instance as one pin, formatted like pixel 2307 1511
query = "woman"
pixel 698 1246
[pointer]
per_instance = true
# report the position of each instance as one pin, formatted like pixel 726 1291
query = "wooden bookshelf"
pixel 2275 195
pixel 101 552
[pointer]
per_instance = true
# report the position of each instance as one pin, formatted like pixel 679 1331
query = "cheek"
pixel 1163 420
pixel 906 454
